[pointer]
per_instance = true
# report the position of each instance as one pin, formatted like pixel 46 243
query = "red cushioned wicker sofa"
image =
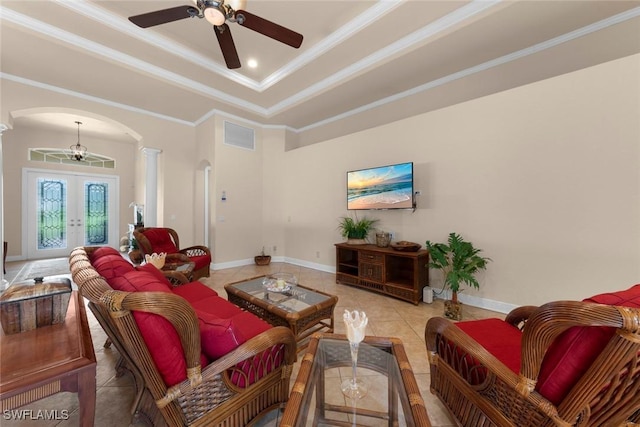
pixel 197 359
pixel 566 363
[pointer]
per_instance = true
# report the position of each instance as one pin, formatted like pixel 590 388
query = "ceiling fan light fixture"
pixel 214 15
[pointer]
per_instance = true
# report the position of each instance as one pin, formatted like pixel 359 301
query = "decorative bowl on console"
pixel 279 282
pixel 405 246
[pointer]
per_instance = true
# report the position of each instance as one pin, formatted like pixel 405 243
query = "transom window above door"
pixel 54 155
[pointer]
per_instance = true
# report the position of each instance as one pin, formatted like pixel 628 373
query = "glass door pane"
pixel 52 213
pixel 67 210
pixel 96 213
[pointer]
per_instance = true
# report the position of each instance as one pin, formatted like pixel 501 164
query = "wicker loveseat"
pixel 162 239
pixel 566 363
pixel 197 359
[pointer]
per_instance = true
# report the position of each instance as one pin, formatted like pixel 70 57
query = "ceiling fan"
pixel 217 12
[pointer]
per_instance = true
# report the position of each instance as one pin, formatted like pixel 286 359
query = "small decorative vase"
pixel 453 310
pixel 157 260
pixel 355 322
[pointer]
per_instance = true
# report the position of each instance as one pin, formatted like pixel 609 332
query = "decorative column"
pixel 151 186
pixel 207 173
pixel 3 282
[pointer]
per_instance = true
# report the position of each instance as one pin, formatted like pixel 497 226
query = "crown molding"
pixel 104 17
pixel 368 17
pixel 39 85
pixel 597 26
pixel 580 32
pixel 419 36
pixel 128 60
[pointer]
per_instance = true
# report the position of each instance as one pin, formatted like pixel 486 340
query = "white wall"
pixel 544 178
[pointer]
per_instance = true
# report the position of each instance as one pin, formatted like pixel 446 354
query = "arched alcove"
pixel 63 119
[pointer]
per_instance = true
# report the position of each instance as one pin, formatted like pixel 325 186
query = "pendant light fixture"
pixel 78 152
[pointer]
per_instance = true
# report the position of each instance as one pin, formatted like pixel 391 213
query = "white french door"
pixel 66 210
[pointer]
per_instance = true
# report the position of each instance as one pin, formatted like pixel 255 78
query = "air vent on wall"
pixel 239 136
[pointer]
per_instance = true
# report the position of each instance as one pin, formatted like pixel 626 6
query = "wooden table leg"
pixel 87 396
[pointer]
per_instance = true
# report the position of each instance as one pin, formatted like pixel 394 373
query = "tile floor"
pixel 387 317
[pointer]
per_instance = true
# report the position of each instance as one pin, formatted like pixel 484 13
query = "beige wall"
pixel 238 220
pixel 176 162
pixel 15 150
pixel 544 178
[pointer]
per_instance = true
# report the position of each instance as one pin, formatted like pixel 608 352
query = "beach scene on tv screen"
pixel 386 187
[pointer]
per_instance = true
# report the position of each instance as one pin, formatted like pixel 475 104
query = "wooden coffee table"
pixel 48 360
pixel 303 310
pixel 394 398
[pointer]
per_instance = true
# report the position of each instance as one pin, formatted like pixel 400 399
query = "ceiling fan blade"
pixel 228 47
pixel 163 16
pixel 269 29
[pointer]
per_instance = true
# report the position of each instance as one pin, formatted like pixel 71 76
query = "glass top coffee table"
pixel 301 309
pixel 393 398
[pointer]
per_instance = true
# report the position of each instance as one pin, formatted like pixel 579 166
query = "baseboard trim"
pixel 485 303
pixel 241 263
pixel 312 265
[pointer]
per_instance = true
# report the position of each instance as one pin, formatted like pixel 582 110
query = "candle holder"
pixel 356 323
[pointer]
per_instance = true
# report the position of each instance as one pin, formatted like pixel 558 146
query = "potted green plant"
pixel 356 230
pixel 459 261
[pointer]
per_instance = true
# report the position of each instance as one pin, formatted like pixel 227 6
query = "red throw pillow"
pixel 218 336
pixel 627 298
pixel 158 333
pixel 571 354
pixel 160 240
pixel 165 347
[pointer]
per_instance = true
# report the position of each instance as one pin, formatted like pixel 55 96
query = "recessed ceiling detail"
pixel 364 64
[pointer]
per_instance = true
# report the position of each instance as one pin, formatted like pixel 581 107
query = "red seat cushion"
pixel 498 337
pixel 200 261
pixel 160 240
pixel 217 306
pixel 571 354
pixel 155 272
pixel 194 291
pixel 110 266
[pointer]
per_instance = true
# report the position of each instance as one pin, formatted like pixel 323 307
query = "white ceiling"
pixel 362 63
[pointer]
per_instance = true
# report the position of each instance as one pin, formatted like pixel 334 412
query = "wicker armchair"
pixel 162 239
pixel 479 389
pixel 208 397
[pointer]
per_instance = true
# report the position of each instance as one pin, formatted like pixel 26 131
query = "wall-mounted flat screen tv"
pixel 383 187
